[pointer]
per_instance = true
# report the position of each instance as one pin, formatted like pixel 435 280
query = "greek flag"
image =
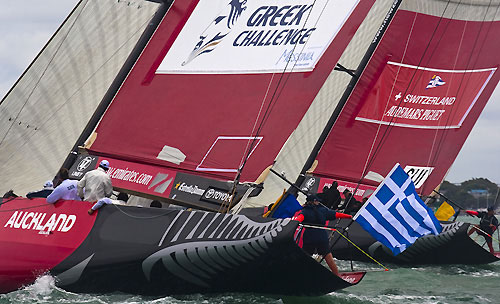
pixel 435 81
pixel 395 215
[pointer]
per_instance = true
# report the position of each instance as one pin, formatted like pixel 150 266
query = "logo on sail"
pixel 218 29
pixel 270 36
pixel 161 182
pixel 435 81
pixel 85 163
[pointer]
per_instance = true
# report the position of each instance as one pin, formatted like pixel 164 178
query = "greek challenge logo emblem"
pixel 219 28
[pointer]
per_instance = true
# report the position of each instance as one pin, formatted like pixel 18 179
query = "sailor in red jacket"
pixel 487 225
pixel 316 240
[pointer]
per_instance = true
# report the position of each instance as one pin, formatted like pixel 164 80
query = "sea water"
pixel 425 284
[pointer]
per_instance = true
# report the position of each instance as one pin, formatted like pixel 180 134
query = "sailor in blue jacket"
pixel 316 240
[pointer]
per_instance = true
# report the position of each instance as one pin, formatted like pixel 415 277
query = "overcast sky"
pixel 26 25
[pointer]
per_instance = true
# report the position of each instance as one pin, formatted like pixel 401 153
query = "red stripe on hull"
pixel 28 249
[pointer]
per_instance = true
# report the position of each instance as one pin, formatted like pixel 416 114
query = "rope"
pixel 477 228
pixel 17 209
pixel 142 217
pixel 357 247
pixel 390 125
pixel 267 113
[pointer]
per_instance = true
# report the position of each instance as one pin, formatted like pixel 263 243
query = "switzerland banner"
pixel 421 97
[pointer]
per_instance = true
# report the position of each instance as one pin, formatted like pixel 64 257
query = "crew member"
pixel 9 195
pixel 66 189
pixel 487 225
pixel 316 240
pixel 330 196
pixel 97 184
pixel 351 204
pixel 48 187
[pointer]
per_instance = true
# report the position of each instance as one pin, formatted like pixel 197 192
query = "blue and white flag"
pixel 435 81
pixel 395 215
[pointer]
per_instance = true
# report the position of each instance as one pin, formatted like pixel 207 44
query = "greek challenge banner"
pixel 256 36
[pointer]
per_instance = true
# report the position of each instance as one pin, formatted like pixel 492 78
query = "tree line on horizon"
pixel 476 193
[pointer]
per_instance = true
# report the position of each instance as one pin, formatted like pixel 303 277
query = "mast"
pixel 362 65
pixel 117 82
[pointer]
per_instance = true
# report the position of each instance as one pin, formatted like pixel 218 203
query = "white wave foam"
pixel 43 285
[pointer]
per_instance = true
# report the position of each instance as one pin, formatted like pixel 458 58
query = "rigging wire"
pixel 481 45
pixel 53 116
pixel 56 52
pixel 325 113
pixel 391 123
pixel 275 96
pixel 269 108
pixel 371 158
pixel 347 239
pixel 443 134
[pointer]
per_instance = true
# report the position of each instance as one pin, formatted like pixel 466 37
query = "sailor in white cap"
pixel 96 184
pixel 48 187
pixel 66 190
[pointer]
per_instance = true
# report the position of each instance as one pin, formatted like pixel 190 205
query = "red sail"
pixel 206 122
pixel 416 102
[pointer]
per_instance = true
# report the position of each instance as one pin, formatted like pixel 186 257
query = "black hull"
pixel 451 246
pixel 160 252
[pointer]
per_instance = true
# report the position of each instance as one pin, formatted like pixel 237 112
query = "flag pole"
pixel 452 202
pixel 449 200
pixel 343 100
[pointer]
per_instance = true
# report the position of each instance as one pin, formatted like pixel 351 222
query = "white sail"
pixel 44 113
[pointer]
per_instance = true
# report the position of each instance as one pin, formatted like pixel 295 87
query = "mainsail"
pixel 297 150
pixel 420 96
pixel 221 85
pixel 44 113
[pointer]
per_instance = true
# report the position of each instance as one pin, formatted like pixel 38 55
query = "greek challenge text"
pixel 276 17
pixel 414 113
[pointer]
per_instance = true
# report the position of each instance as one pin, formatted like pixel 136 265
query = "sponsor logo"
pixel 349 279
pixel 191 189
pixel 129 176
pixel 140 177
pixel 216 195
pixel 435 81
pixel 423 108
pixel 38 221
pixel 84 163
pixel 309 184
pixel 260 36
pixel 361 190
pixel 161 182
pixel 218 29
pixel 419 113
pixel 418 174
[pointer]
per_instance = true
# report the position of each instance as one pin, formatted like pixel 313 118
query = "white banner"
pixel 256 36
